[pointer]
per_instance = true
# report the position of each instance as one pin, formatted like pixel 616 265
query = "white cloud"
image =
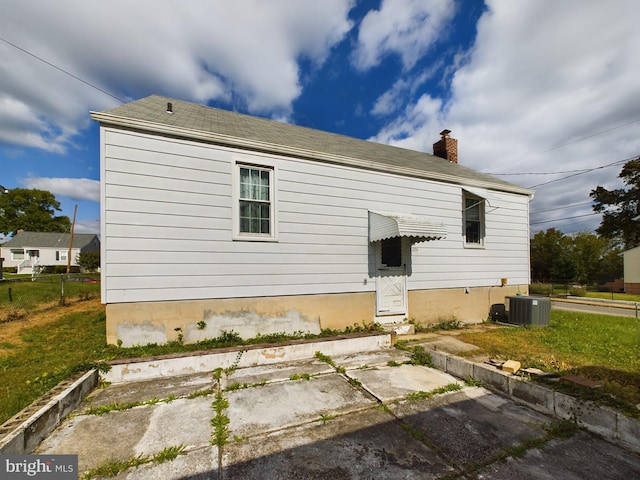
pixel 19 124
pixel 408 28
pixel 199 51
pixel 74 188
pixel 403 88
pixel 542 91
pixel 417 128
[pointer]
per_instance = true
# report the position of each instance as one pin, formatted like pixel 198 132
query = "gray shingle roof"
pixel 49 240
pixel 244 131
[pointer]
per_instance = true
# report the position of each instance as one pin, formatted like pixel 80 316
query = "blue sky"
pixel 541 93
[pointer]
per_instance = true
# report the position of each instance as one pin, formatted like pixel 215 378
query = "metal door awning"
pixel 384 225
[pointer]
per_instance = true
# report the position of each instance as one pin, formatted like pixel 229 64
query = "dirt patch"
pixel 11 331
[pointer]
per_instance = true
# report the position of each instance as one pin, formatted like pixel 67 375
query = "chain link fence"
pixel 22 296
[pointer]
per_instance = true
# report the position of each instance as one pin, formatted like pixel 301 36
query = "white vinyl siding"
pixel 168 226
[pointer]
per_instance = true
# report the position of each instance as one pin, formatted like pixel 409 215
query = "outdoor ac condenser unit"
pixel 528 310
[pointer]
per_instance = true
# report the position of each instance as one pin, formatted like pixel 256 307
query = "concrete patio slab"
pixel 471 426
pixel 276 406
pixel 582 456
pixel 329 427
pixel 392 383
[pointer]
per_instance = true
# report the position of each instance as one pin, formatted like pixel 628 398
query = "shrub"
pixel 540 289
pixel 577 291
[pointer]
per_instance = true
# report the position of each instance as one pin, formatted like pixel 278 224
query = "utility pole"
pixel 4 191
pixel 73 223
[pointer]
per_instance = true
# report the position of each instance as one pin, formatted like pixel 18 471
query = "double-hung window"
pixel 17 255
pixel 254 203
pixel 473 220
pixel 61 255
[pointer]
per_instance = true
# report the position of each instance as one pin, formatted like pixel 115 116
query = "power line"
pixel 582 172
pixel 61 70
pixel 565 218
pixel 561 208
pixel 538 173
pixel 591 135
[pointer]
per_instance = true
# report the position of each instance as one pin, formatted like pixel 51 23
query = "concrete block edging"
pixel 247 357
pixel 603 421
pixel 25 435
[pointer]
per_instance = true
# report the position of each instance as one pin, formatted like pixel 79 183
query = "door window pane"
pixel 391 250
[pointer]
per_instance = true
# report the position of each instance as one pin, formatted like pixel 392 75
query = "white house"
pixel 632 270
pixel 213 220
pixel 33 250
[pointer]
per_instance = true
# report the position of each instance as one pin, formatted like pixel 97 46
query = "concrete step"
pixel 402 328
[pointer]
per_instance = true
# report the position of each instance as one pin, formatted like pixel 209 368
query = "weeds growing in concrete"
pixel 325 417
pixel 168 454
pixel 472 382
pixel 325 359
pixel 422 395
pixel 111 468
pixel 220 421
pixel 420 357
pixel 200 393
pixel 301 376
pixel 119 407
pixel 239 386
pixel 354 382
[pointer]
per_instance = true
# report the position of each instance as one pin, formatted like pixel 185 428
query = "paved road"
pixel 594 308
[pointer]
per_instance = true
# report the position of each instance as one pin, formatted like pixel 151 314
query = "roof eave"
pixel 247 144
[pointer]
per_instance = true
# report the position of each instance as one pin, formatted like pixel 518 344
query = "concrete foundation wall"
pixel 160 322
pixel 469 305
pixel 141 323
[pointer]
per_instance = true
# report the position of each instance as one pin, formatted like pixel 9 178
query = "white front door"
pixel 391 281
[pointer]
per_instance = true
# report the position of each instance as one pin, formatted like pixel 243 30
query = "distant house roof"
pixel 49 240
pixel 188 120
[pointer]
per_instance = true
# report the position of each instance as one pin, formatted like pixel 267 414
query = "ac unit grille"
pixel 528 310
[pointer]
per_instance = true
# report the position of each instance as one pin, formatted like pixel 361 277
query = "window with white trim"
pixel 61 255
pixel 17 255
pixel 254 202
pixel 473 218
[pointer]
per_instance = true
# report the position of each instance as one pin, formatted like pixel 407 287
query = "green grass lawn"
pixel 628 297
pixel 20 295
pixel 47 355
pixel 600 347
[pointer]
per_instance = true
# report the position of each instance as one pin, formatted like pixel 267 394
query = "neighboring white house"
pixel 213 220
pixel 33 250
pixel 632 270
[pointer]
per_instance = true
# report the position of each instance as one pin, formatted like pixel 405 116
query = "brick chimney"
pixel 446 147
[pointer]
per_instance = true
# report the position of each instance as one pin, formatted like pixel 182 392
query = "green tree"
pixel 89 261
pixel 587 252
pixel 31 210
pixel 611 264
pixel 551 256
pixel 583 257
pixel 620 206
